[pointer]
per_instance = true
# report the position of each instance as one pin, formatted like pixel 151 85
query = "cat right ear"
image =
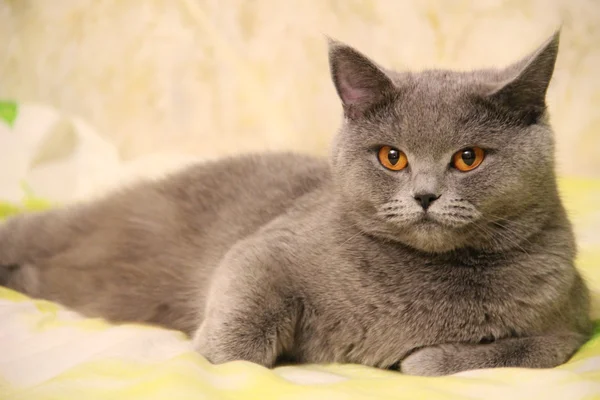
pixel 359 82
pixel 524 89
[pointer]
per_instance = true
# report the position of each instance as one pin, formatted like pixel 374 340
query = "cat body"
pixel 147 252
pixel 433 240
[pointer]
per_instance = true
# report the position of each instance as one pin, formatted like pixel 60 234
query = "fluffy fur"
pixel 284 256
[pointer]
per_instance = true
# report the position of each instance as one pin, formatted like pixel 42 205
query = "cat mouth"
pixel 426 220
pixel 428 232
pixel 430 221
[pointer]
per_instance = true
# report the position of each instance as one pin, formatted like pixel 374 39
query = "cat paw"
pixel 239 343
pixel 428 361
pixel 6 271
pixel 7 247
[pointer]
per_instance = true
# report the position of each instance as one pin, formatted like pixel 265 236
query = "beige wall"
pixel 215 77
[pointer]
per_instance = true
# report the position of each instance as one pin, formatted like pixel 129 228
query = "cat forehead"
pixel 444 85
pixel 436 111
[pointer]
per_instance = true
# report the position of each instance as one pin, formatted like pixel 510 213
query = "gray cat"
pixel 434 240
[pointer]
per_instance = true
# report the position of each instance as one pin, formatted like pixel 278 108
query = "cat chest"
pixel 382 326
pixel 458 307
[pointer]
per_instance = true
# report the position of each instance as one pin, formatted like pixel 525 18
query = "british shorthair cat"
pixel 433 240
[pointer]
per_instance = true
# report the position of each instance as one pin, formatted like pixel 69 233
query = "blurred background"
pixel 96 92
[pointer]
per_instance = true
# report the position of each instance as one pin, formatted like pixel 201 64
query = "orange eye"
pixel 468 159
pixel 392 159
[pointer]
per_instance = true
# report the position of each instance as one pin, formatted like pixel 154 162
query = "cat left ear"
pixel 528 80
pixel 359 82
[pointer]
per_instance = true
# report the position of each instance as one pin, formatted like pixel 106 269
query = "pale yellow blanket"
pixel 47 352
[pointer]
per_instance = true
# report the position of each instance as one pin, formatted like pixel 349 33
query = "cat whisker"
pixel 498 218
pixel 506 237
pixel 453 219
pixel 349 239
pixel 393 208
pixel 458 207
pixel 510 229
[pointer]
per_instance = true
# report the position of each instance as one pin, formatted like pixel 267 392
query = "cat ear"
pixel 526 81
pixel 359 82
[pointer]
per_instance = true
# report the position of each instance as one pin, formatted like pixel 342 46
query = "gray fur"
pixel 281 255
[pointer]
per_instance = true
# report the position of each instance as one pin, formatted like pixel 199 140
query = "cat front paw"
pixel 240 342
pixel 428 361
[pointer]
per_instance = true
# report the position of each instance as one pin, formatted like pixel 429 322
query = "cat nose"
pixel 425 199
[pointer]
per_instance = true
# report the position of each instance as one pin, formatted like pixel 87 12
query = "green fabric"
pixel 8 112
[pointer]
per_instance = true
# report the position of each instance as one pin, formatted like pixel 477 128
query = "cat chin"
pixel 430 237
pixel 432 243
pixel 422 234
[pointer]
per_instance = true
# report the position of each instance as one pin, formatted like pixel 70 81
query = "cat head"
pixel 440 160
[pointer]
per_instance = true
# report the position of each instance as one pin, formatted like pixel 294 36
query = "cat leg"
pixel 526 352
pixel 29 241
pixel 23 239
pixel 10 251
pixel 36 235
pixel 251 312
